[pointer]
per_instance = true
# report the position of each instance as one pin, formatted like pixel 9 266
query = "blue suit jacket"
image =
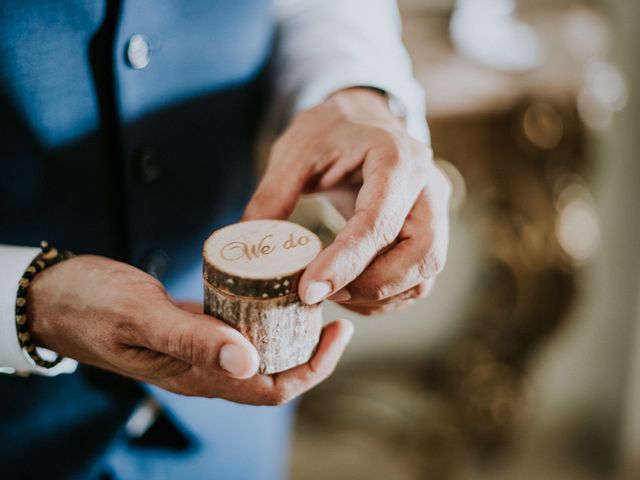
pixel 140 165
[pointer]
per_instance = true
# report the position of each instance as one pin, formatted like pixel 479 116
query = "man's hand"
pixel 395 241
pixel 114 316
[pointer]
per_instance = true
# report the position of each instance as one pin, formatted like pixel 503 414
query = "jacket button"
pixel 138 51
pixel 147 166
pixel 156 263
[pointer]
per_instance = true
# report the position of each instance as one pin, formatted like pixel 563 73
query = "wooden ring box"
pixel 251 272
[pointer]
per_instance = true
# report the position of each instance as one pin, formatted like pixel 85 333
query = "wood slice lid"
pixel 259 258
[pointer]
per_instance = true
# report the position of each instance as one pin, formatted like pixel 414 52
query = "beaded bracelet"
pixel 49 256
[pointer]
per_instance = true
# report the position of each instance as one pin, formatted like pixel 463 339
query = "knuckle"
pixel 354 254
pixel 183 343
pixel 424 268
pixel 384 230
pixel 320 373
pixel 430 265
pixel 374 293
pixel 261 197
pixel 410 294
pixel 266 199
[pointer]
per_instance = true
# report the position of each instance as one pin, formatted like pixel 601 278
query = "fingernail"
pixel 237 361
pixel 317 292
pixel 341 296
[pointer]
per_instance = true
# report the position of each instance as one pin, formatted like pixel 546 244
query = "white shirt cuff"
pixel 13 359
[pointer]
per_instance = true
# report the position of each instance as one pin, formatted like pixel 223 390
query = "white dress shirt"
pixel 324 46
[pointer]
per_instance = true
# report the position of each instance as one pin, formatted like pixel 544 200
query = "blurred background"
pixel 524 362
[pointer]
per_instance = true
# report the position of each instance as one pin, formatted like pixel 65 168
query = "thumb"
pixel 204 341
pixel 277 192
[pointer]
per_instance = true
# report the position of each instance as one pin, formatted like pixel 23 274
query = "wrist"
pixel 46 304
pixel 49 257
pixel 37 303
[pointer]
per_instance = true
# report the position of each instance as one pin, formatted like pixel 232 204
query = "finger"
pixel 149 365
pixel 379 308
pixel 200 340
pixel 392 304
pixel 419 254
pixel 270 389
pixel 345 166
pixel 279 190
pixel 386 197
pixel 414 293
